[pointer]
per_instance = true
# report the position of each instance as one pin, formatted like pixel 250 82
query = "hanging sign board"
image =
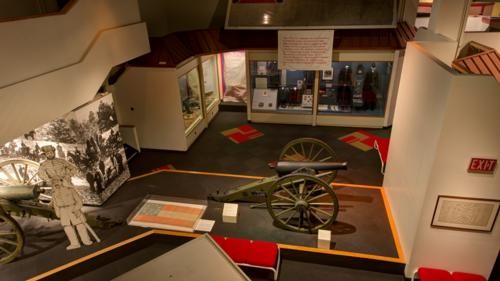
pixel 482 165
pixel 305 49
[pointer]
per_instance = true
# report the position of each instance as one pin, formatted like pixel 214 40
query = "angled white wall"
pixel 36 101
pixel 448 16
pixel 422 95
pixel 148 98
pixel 469 129
pixel 34 46
pixel 442 119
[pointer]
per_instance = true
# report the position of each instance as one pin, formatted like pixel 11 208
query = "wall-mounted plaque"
pixel 463 213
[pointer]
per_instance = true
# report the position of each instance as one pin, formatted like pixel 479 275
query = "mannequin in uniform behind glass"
pixel 344 91
pixel 359 77
pixel 370 88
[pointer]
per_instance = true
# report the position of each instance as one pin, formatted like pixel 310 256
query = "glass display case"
pixel 275 90
pixel 356 88
pixel 210 82
pixel 234 83
pixel 190 92
pixel 211 86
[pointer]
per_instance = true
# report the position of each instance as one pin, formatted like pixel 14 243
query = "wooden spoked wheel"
pixel 302 203
pixel 11 238
pixel 14 172
pixel 310 149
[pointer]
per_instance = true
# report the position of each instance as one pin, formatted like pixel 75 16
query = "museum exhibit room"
pixel 250 140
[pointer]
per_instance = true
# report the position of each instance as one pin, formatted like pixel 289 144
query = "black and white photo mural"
pixel 88 137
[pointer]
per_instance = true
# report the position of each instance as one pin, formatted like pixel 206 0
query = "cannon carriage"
pixel 23 194
pixel 299 198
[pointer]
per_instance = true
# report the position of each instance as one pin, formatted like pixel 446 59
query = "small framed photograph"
pixel 328 74
pixel 462 213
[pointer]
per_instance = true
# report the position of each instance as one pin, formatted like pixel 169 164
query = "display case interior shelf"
pixel 163 103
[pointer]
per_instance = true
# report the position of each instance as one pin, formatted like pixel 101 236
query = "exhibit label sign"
pixel 482 165
pixel 305 50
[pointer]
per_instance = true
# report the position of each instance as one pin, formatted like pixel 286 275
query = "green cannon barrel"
pixel 285 167
pixel 19 192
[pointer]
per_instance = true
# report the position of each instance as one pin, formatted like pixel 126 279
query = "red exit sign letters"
pixel 482 165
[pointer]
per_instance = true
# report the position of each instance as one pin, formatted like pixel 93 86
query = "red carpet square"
pixel 242 134
pixel 359 139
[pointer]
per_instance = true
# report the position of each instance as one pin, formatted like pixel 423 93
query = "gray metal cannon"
pixel 18 200
pixel 299 197
pixel 23 194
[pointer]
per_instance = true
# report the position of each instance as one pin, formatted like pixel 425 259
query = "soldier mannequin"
pixel 65 200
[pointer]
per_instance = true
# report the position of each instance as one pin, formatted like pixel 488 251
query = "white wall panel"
pixel 36 101
pixel 422 95
pixel 149 98
pixel 34 46
pixel 442 119
pixel 470 129
pixel 447 17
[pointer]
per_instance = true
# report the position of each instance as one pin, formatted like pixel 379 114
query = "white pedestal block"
pixel 230 213
pixel 324 237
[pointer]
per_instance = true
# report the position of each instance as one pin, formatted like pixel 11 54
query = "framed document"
pixel 462 213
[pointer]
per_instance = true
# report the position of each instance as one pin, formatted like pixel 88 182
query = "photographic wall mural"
pixel 88 137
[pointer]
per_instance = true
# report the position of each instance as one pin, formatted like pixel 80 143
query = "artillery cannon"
pixel 299 197
pixel 23 194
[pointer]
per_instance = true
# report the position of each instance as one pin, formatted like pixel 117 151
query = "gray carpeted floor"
pixel 46 242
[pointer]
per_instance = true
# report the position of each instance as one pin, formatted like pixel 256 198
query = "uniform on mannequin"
pixel 344 91
pixel 371 88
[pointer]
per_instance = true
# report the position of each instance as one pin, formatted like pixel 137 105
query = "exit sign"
pixel 482 165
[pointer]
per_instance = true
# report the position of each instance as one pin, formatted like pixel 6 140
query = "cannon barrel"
pixel 19 192
pixel 284 167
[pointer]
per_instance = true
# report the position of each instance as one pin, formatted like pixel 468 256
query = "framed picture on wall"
pixel 462 213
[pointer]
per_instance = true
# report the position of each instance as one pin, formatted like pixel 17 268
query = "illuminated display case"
pixel 356 91
pixel 356 88
pixel 234 79
pixel 280 90
pixel 190 98
pixel 278 96
pixel 211 93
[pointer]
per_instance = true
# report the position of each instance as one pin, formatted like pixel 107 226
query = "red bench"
pixel 434 274
pixel 252 253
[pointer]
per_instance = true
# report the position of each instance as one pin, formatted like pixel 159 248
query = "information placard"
pixel 305 50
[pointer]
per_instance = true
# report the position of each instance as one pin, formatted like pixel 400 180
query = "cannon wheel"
pixel 22 172
pixel 302 203
pixel 310 149
pixel 11 238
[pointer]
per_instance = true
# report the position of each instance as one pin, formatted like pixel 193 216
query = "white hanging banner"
pixel 305 49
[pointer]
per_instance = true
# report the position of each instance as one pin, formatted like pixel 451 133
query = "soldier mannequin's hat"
pixel 46 148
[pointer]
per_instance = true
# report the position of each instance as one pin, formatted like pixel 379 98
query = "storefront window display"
pixel 357 88
pixel 189 85
pixel 280 90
